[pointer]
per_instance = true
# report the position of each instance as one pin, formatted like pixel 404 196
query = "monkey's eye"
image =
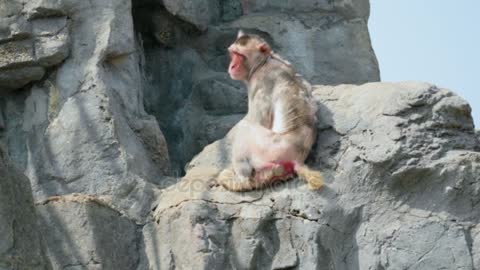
pixel 236 54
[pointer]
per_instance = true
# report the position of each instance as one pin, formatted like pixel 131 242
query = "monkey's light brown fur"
pixel 275 137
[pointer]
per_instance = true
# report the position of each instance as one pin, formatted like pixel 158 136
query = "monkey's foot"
pixel 275 171
pixel 229 180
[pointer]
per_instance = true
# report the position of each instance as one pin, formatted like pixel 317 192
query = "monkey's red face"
pixel 237 68
pixel 246 52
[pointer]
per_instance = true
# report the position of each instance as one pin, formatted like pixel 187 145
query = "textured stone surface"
pixel 326 49
pixel 185 65
pixel 28 43
pixel 347 8
pixel 19 77
pixel 403 181
pixel 13 26
pixel 16 53
pixel 83 129
pixel 82 232
pixel 2 123
pixel 197 12
pixel 401 160
pixel 20 245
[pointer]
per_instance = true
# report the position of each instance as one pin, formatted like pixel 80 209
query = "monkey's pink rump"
pixel 288 169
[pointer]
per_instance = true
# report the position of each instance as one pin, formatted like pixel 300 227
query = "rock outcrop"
pixel 20 243
pixel 83 127
pixel 30 44
pixel 84 232
pixel 103 103
pixel 403 191
pixel 187 88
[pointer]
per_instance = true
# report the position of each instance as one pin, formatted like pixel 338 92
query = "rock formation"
pixel 105 105
pixel 20 243
pixel 187 88
pixel 403 191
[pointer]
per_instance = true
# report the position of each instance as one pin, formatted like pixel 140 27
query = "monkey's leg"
pixel 269 160
pixel 294 147
pixel 238 178
pixel 229 180
pixel 284 150
pixel 270 173
pixel 271 156
pixel 267 175
pixel 284 170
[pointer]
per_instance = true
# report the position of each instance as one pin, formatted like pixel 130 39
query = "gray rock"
pixel 28 45
pixel 18 77
pixel 86 120
pixel 11 8
pixel 12 134
pixel 301 39
pixel 197 12
pixel 231 9
pixel 181 64
pixel 49 47
pixel 2 122
pixel 51 40
pixel 47 8
pixel 16 53
pixel 50 26
pixel 401 160
pixel 396 196
pixel 475 247
pixel 20 245
pixel 347 8
pixel 259 6
pixel 51 51
pixel 14 28
pixel 82 232
pixel 353 8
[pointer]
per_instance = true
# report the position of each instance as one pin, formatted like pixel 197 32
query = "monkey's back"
pixel 280 92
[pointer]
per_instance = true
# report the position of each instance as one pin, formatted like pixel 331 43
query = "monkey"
pixel 275 137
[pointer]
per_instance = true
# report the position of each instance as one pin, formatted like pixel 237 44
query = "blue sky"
pixel 436 41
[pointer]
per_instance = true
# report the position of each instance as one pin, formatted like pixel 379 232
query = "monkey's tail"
pixel 313 178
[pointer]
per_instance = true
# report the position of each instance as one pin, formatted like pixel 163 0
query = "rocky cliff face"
pixel 103 103
pixel 187 88
pixel 20 243
pixel 402 168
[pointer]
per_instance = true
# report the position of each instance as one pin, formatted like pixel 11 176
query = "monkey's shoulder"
pixel 281 82
pixel 291 85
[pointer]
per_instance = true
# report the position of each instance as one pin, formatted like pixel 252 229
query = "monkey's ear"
pixel 265 48
pixel 240 34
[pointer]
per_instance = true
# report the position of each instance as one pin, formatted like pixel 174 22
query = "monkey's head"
pixel 245 53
